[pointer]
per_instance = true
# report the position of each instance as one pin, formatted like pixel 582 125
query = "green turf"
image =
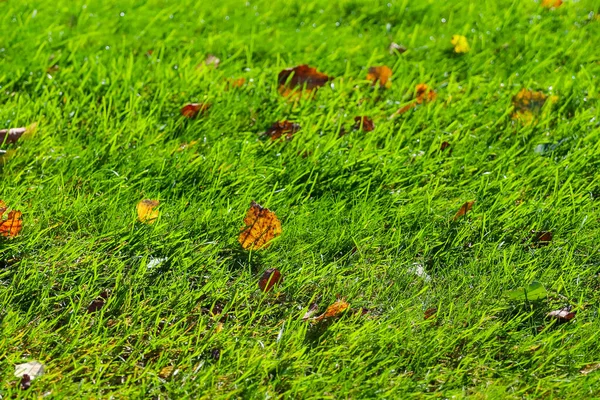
pixel 361 213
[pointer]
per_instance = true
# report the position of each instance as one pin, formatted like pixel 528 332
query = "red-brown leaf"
pixel 192 110
pixel 300 77
pixel 282 128
pixel 363 123
pixel 562 315
pixel 269 279
pixel 464 209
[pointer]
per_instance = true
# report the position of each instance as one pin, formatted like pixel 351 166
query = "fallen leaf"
pixel 282 128
pixel 25 382
pixel 423 94
pixel 364 124
pixel 12 225
pixel 269 279
pixel 541 238
pixel 563 315
pixel 590 368
pixel 233 83
pixel 192 110
pixel 463 209
pixel 551 3
pixel 97 304
pixel 166 372
pixel 212 60
pixel 534 291
pixel 12 135
pixel 334 310
pixel 260 226
pixel 302 77
pixel 147 212
pixel 396 48
pixel 528 105
pixel 381 74
pixel 311 311
pixel 460 43
pixel 444 146
pixel 430 312
pixel 32 369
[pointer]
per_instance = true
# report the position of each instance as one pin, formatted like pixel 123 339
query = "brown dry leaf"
pixel 590 368
pixel 464 209
pixel 541 238
pixel 423 94
pixel 233 83
pixel 282 128
pixel 430 313
pixel 444 146
pixel 9 136
pixel 363 123
pixel 261 225
pixel 334 310
pixel 292 81
pixel 551 3
pixel 311 311
pixel 12 225
pixel 192 110
pixel 269 279
pixel 97 304
pixel 563 315
pixel 381 74
pixel 396 48
pixel 166 372
pixel 147 212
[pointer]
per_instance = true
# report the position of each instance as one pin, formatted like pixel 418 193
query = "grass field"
pixel 367 217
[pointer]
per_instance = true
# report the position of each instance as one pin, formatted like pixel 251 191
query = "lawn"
pixel 436 297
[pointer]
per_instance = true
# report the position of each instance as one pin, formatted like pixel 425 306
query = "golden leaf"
pixel 551 3
pixel 12 225
pixel 460 43
pixel 334 310
pixel 260 226
pixel 146 211
pixel 464 209
pixel 382 74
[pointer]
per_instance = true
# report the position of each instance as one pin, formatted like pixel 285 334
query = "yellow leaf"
pixel 261 225
pixel 166 372
pixel 146 211
pixel 460 43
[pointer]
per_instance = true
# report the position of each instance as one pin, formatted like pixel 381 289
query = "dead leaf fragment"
pixel 563 315
pixel 147 212
pixel 541 238
pixel 528 105
pixel 233 83
pixel 396 48
pixel 32 369
pixel 364 124
pixel 97 304
pixel 430 313
pixel 269 279
pixel 12 135
pixel 463 209
pixel 12 224
pixel 166 372
pixel 444 146
pixel 551 3
pixel 192 110
pixel 381 74
pixel 590 368
pixel 423 94
pixel 282 128
pixel 302 77
pixel 25 382
pixel 460 43
pixel 334 310
pixel 261 225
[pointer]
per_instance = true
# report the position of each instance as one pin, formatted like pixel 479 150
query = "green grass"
pixel 359 212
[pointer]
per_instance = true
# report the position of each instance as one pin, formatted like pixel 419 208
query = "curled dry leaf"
pixel 334 310
pixel 302 77
pixel 261 225
pixel 269 279
pixel 147 212
pixel 460 43
pixel 10 226
pixel 430 313
pixel 282 128
pixel 192 110
pixel 381 74
pixel 551 3
pixel 13 135
pixel 423 94
pixel 464 209
pixel 563 315
pixel 97 304
pixel 396 48
pixel 363 123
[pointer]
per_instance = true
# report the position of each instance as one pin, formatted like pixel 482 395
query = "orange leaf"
pixel 146 211
pixel 334 310
pixel 192 110
pixel 301 77
pixel 12 225
pixel 363 123
pixel 551 3
pixel 269 279
pixel 382 74
pixel 464 209
pixel 261 225
pixel 281 128
pixel 423 94
pixel 233 83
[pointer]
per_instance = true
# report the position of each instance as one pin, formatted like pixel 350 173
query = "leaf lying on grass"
pixel 269 279
pixel 261 225
pixel 333 311
pixel 551 3
pixel 430 313
pixel 563 315
pixel 311 311
pixel 98 303
pixel 534 291
pixel 282 128
pixel 540 238
pixel 423 94
pixel 364 124
pixel 293 81
pixel 528 105
pixel 147 212
pixel 381 74
pixel 12 135
pixel 460 43
pixel 12 225
pixel 396 48
pixel 192 110
pixel 463 210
